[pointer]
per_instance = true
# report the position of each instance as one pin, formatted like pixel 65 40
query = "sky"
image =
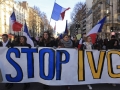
pixel 47 7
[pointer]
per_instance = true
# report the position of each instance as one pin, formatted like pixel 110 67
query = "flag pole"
pixel 14 12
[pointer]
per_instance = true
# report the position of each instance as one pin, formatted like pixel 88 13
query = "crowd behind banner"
pixel 65 42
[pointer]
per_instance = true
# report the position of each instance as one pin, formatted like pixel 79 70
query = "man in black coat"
pixel 6 43
pixel 111 42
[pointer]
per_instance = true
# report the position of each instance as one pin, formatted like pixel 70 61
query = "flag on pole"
pixel 27 35
pixel 12 20
pixel 96 29
pixel 58 12
pixel 66 28
pixel 15 26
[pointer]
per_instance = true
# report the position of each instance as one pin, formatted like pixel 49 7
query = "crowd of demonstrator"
pixel 65 42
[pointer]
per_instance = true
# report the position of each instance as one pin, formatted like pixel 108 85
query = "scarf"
pixel 67 44
pixel 88 45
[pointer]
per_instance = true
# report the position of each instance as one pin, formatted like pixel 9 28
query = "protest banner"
pixel 59 66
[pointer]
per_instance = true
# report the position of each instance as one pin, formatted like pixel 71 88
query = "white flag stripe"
pixel 29 41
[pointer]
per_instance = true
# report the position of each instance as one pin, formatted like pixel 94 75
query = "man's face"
pixel 4 38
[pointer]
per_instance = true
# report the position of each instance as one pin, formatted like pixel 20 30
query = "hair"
pixel 24 38
pixel 86 38
pixel 5 35
pixel 113 36
pixel 47 33
pixel 49 38
pixel 64 35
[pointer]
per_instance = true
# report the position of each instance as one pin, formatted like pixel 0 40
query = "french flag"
pixel 96 29
pixel 27 35
pixel 15 26
pixel 58 12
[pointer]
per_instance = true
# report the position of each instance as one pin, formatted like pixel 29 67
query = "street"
pixel 37 86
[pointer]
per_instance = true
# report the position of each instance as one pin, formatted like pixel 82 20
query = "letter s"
pixel 19 75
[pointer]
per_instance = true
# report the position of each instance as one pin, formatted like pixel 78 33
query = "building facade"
pixel 82 22
pixel 34 22
pixel 88 4
pixel 102 8
pixel 89 15
pixel 89 21
pixel 23 14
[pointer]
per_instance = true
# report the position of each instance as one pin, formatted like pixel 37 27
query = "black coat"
pixel 51 43
pixel 15 43
pixel 75 44
pixel 25 45
pixel 9 44
pixel 111 43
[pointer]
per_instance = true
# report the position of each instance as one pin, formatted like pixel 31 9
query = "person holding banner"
pixel 66 42
pixel 23 43
pixel 87 45
pixel 46 42
pixel 75 42
pixel 6 43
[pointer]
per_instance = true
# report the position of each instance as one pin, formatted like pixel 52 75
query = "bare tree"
pixel 76 16
pixel 44 21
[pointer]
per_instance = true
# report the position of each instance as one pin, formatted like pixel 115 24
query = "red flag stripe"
pixel 17 26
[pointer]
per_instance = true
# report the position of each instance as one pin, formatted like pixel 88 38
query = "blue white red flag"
pixel 58 12
pixel 15 26
pixel 96 29
pixel 27 35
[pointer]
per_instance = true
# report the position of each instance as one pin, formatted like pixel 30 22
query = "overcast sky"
pixel 47 7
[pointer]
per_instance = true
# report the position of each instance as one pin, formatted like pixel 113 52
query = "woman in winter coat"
pixel 87 45
pixel 46 42
pixel 65 42
pixel 23 43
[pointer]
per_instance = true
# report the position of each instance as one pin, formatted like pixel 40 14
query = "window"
pixel 119 17
pixel 108 28
pixel 108 1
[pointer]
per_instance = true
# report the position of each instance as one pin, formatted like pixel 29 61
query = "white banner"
pixel 59 66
